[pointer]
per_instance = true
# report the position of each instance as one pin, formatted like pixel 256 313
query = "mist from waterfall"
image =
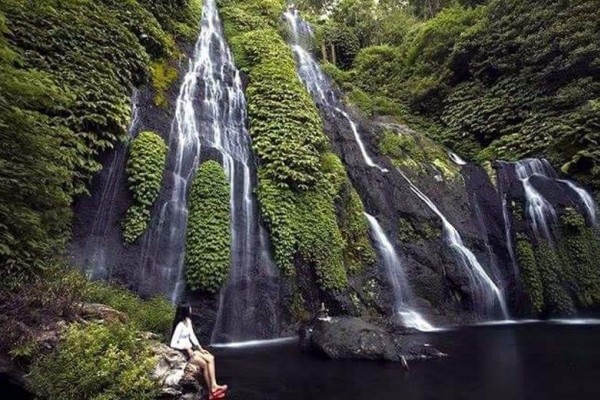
pixel 211 115
pixel 486 294
pixel 403 296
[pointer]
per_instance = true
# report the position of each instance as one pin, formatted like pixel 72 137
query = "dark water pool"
pixel 528 361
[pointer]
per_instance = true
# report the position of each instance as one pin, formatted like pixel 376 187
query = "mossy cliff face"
pixel 68 69
pixel 300 181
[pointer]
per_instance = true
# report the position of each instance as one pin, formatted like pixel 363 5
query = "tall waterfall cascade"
pixel 486 294
pixel 403 296
pixel 324 96
pixel 210 118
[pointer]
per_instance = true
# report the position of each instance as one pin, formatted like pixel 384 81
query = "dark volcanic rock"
pixel 354 338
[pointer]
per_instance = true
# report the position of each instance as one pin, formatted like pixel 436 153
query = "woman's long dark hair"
pixel 181 313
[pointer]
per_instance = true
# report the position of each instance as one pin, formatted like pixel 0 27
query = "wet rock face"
pixel 354 338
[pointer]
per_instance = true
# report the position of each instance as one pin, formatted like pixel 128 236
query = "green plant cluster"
pixel 561 276
pixel 208 242
pixel 151 315
pixel 145 168
pixel 300 181
pixel 417 152
pixel 97 361
pixel 66 72
pixel 163 76
pixel 409 232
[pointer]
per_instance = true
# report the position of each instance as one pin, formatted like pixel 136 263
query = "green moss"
pixel 557 299
pixel 97 361
pixel 530 275
pixel 163 76
pixel 145 168
pixel 580 249
pixel 300 181
pixel 208 242
pixel 416 152
pixel 359 253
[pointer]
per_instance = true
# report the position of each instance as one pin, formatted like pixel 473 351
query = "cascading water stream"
pixel 586 200
pixel 316 81
pixel 541 213
pixel 98 247
pixel 456 159
pixel 486 292
pixel 395 270
pixel 508 238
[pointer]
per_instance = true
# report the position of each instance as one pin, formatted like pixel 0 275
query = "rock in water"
pixel 354 338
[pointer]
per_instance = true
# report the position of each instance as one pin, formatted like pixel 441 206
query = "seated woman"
pixel 184 339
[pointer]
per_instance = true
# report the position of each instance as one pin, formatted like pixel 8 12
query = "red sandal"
pixel 218 394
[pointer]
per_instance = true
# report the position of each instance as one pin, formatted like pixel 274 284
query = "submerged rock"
pixel 354 338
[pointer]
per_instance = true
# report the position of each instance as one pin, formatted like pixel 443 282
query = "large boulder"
pixel 354 338
pixel 179 380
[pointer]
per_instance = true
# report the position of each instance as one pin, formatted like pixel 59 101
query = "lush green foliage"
pixel 208 243
pixel 299 180
pixel 163 76
pixel 145 169
pixel 530 275
pixel 66 71
pixel 96 361
pixel 153 315
pixel 498 79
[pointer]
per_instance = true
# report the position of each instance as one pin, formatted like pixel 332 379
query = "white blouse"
pixel 184 337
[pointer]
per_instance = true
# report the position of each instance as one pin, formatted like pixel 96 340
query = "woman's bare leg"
pixel 210 361
pixel 197 360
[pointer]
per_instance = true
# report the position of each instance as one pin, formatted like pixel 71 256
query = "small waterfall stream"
pixel 394 269
pixel 486 294
pixel 541 213
pixel 97 245
pixel 590 207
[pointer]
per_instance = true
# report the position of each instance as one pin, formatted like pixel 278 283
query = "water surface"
pixel 511 362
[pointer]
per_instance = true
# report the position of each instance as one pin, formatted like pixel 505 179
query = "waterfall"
pixel 211 114
pixel 456 159
pixel 104 215
pixel 540 212
pixel 586 200
pixel 396 275
pixel 486 293
pixel 316 82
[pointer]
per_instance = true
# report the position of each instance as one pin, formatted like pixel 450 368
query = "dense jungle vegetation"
pixel 497 79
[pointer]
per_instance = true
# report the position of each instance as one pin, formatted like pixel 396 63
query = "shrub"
pixel 145 168
pixel 208 242
pixel 163 76
pixel 96 361
pixel 154 315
